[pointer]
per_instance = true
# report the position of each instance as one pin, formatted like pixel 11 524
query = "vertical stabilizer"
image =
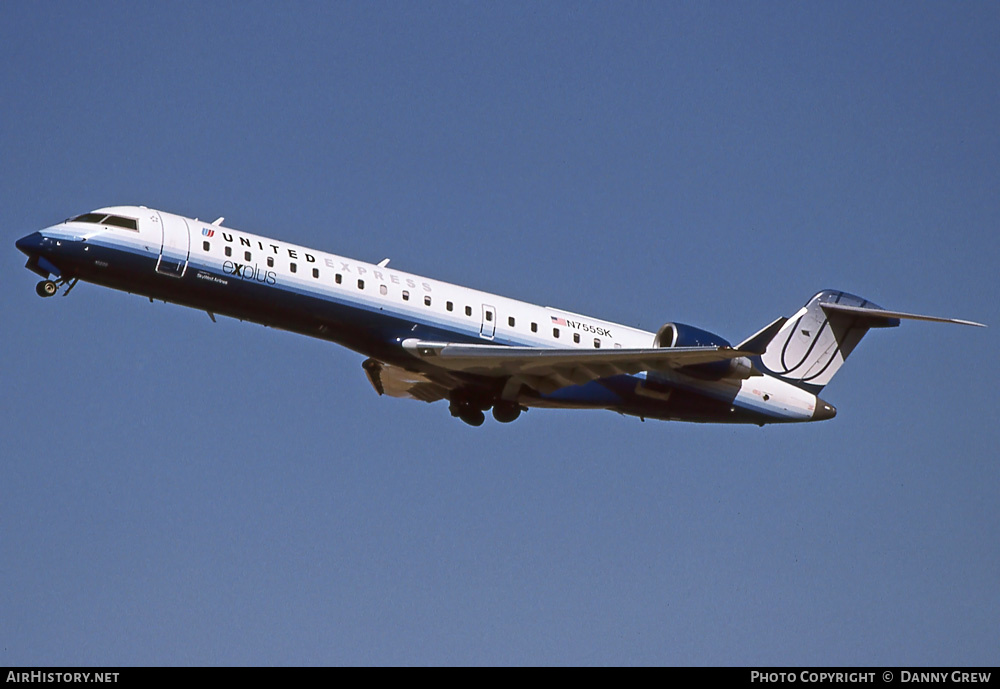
pixel 814 343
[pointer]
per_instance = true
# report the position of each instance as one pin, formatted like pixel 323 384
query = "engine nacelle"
pixel 682 335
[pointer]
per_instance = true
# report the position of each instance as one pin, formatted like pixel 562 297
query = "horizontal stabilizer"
pixel 881 314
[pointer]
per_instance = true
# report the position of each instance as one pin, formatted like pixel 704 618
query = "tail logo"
pixel 812 346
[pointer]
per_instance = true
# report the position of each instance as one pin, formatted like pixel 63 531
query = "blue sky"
pixel 182 492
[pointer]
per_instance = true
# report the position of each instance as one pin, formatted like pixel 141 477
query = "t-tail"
pixel 813 344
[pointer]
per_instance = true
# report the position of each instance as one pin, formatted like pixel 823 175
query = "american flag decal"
pixel 558 321
pixel 207 232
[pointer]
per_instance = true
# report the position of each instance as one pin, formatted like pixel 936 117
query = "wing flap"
pixel 398 382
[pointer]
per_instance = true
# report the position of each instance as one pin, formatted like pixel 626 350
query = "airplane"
pixel 429 340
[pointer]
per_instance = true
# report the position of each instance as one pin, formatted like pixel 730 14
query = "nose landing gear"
pixel 48 288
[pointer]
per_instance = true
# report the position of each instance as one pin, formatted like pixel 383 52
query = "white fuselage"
pixel 209 266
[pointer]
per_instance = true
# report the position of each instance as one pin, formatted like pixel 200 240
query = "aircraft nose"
pixel 823 411
pixel 30 244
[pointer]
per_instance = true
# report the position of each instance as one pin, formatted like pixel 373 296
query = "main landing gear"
pixel 474 415
pixel 48 288
pixel 505 412
pixel 467 412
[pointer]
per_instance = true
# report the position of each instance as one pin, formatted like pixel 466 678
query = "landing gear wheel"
pixel 467 412
pixel 46 288
pixel 505 413
pixel 473 417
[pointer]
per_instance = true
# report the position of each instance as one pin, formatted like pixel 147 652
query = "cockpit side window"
pixel 118 221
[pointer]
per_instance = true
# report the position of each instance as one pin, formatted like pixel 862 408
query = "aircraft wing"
pixel 548 370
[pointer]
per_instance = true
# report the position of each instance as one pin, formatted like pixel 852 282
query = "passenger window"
pixel 338 278
pixel 534 327
pixel 246 256
pixel 576 338
pixel 468 310
pixel 427 301
pixel 406 295
pixel 206 246
pixel 555 332
pixel 448 305
pixel 383 290
pixel 361 284
pixel 315 272
pixel 270 261
pixel 597 343
pixel 489 315
pixel 292 267
pixel 510 321
pixel 229 251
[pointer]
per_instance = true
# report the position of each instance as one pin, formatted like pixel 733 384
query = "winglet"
pixel 757 343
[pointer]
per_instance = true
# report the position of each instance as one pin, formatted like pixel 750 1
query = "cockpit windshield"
pixel 89 217
pixel 105 219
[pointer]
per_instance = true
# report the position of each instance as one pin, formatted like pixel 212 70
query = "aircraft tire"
pixel 473 417
pixel 505 413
